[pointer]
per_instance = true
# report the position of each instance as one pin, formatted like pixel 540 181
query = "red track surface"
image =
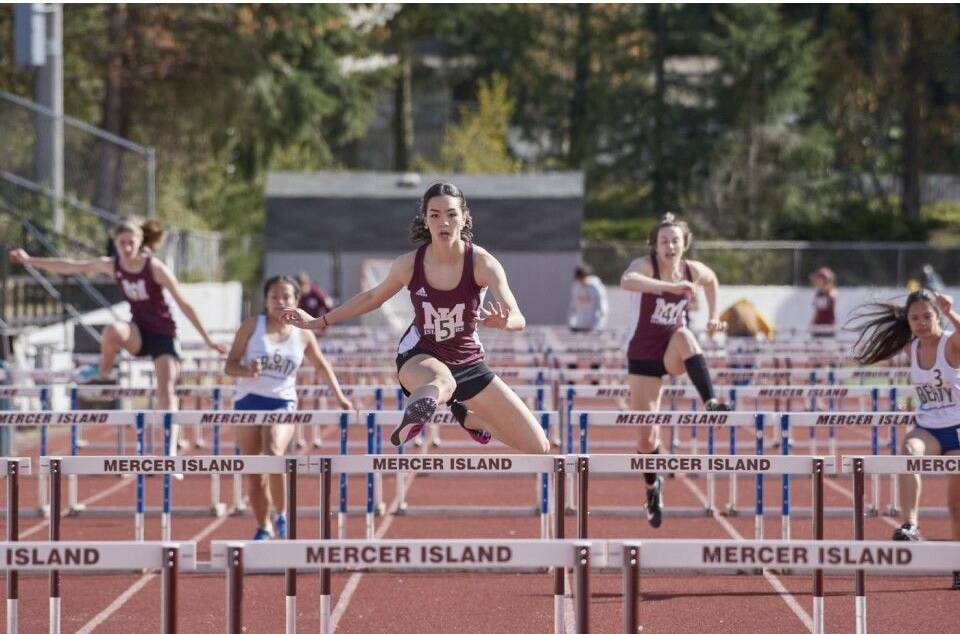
pixel 486 602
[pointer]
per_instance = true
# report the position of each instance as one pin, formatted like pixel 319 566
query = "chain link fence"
pixel 791 263
pixel 104 178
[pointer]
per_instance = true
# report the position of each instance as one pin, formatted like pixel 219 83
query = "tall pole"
pixel 48 88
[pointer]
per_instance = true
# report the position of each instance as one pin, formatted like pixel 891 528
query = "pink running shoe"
pixel 459 411
pixel 415 416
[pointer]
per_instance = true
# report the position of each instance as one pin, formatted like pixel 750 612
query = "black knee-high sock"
pixel 651 478
pixel 700 376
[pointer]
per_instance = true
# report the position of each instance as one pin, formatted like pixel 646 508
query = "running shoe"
pixel 713 405
pixel 280 524
pixel 907 533
pixel 459 411
pixel 262 534
pixel 416 415
pixel 655 503
pixel 86 374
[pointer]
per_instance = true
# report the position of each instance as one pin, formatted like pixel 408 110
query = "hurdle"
pixel 56 556
pixel 376 419
pixel 13 468
pixel 859 466
pixel 711 420
pixel 875 420
pixel 459 464
pixel 238 558
pixel 636 464
pixel 166 466
pixel 856 556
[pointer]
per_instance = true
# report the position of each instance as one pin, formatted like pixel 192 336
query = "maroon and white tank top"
pixel 659 315
pixel 147 303
pixel 445 322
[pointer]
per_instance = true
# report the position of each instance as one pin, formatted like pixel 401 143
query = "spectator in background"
pixel 312 298
pixel 824 320
pixel 588 301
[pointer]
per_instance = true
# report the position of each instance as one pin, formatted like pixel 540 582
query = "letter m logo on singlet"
pixel 442 323
pixel 135 292
pixel 666 313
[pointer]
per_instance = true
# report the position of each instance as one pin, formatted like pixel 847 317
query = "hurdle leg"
pixel 401 494
pixel 234 590
pixel 168 590
pixel 217 508
pixel 631 586
pixel 582 589
pixel 166 517
pixel 239 503
pixel 291 573
pixel 858 513
pixel 42 502
pixel 559 573
pixel 325 468
pixel 13 535
pixel 54 605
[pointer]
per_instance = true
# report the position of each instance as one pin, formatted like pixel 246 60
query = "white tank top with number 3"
pixel 938 388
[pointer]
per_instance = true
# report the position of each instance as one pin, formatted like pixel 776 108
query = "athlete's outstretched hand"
pixel 345 403
pixel 18 256
pixel 296 317
pixel 219 347
pixel 715 325
pixel 494 315
pixel 944 302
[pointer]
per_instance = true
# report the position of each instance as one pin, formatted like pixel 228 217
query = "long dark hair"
pixel 419 233
pixel 669 220
pixel 884 328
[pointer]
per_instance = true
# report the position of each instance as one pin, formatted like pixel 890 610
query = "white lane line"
pixel 96 497
pixel 139 584
pixel 355 578
pixel 847 494
pixel 771 579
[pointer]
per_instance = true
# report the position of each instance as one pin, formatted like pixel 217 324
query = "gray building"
pixel 343 226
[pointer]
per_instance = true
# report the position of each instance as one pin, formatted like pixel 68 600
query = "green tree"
pixel 477 143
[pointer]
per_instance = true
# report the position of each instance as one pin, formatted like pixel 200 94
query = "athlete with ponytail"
pixel 663 284
pixel 142 278
pixel 885 331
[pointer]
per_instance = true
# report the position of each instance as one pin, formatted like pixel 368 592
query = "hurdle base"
pixel 76 509
pixel 43 511
pixel 731 511
pixel 218 510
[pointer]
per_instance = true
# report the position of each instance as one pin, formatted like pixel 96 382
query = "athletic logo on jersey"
pixel 666 313
pixel 421 293
pixel 135 292
pixel 443 323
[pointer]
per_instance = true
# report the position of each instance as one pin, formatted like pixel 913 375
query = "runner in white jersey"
pixel 934 361
pixel 265 357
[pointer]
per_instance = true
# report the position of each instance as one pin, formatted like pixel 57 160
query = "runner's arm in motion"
pixel 167 280
pixel 505 314
pixel 945 303
pixel 639 278
pixel 235 365
pixel 313 354
pixel 360 304
pixel 706 278
pixel 63 266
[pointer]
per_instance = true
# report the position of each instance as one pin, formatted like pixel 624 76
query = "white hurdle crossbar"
pixel 400 555
pixel 705 555
pixel 57 556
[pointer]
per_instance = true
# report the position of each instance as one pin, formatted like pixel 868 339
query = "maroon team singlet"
pixel 445 322
pixel 824 309
pixel 150 310
pixel 659 315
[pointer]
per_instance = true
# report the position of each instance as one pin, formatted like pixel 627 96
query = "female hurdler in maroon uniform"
pixel 440 358
pixel 664 283
pixel 141 278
